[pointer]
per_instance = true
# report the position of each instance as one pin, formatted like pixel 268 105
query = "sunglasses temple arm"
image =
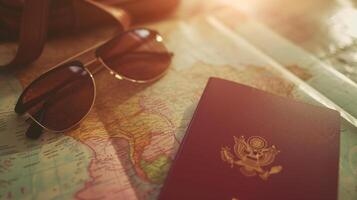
pixel 35 130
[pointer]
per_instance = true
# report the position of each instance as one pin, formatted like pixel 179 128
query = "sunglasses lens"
pixel 138 54
pixel 60 98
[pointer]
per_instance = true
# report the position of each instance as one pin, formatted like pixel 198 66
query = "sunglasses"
pixel 61 98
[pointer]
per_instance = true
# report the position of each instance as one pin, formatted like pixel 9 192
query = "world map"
pixel 125 146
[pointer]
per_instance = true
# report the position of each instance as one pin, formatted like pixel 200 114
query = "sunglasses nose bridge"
pixel 94 65
pixel 97 65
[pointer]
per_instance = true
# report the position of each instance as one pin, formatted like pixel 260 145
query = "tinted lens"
pixel 60 98
pixel 138 54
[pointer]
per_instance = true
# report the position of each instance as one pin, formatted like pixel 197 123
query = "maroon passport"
pixel 247 144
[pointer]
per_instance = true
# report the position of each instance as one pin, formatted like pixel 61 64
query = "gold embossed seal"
pixel 251 156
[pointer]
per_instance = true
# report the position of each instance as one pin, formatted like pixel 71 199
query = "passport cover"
pixel 246 144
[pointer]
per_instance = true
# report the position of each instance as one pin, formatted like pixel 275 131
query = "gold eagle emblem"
pixel 251 156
